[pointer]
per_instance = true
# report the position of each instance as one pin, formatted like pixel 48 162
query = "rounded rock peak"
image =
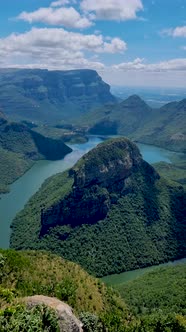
pixel 109 162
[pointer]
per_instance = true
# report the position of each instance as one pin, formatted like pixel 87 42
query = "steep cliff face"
pixel 100 178
pixel 52 95
pixel 64 85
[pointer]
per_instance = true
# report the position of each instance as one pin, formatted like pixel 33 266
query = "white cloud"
pixel 169 65
pixel 113 9
pixel 139 65
pixel 61 13
pixel 175 32
pixel 116 45
pixel 133 65
pixel 68 17
pixel 179 32
pixel 61 39
pixel 56 48
pixel 59 3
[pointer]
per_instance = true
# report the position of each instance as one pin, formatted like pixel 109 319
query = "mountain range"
pixel 82 98
pixel 164 127
pixel 111 212
pixel 51 96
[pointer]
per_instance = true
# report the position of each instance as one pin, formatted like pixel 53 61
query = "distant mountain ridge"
pixel 51 96
pixel 165 126
pixel 82 98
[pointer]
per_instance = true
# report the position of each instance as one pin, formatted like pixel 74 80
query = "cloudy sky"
pixel 129 42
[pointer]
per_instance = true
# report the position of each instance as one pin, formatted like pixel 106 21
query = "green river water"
pixel 117 279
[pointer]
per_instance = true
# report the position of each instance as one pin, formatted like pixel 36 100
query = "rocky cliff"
pixel 44 95
pixel 100 178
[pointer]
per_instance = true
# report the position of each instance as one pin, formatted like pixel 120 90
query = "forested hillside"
pixel 20 147
pixel 30 273
pixel 162 290
pixel 99 308
pixel 111 213
pixel 133 118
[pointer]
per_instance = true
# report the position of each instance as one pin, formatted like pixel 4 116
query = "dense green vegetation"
pixel 29 273
pixel 20 147
pixel 100 308
pixel 12 165
pixel 175 172
pixel 20 319
pixel 128 219
pixel 18 138
pixel 156 296
pixel 144 224
pixel 163 290
pixel 164 127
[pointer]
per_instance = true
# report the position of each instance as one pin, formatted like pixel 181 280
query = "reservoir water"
pixel 117 279
pixel 22 189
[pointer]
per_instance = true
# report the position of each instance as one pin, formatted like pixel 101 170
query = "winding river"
pixel 118 279
pixel 22 189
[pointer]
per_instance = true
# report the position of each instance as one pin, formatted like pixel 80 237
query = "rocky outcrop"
pixel 100 178
pixel 68 322
pixel 107 164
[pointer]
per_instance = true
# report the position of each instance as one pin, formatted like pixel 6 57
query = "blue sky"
pixel 129 42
